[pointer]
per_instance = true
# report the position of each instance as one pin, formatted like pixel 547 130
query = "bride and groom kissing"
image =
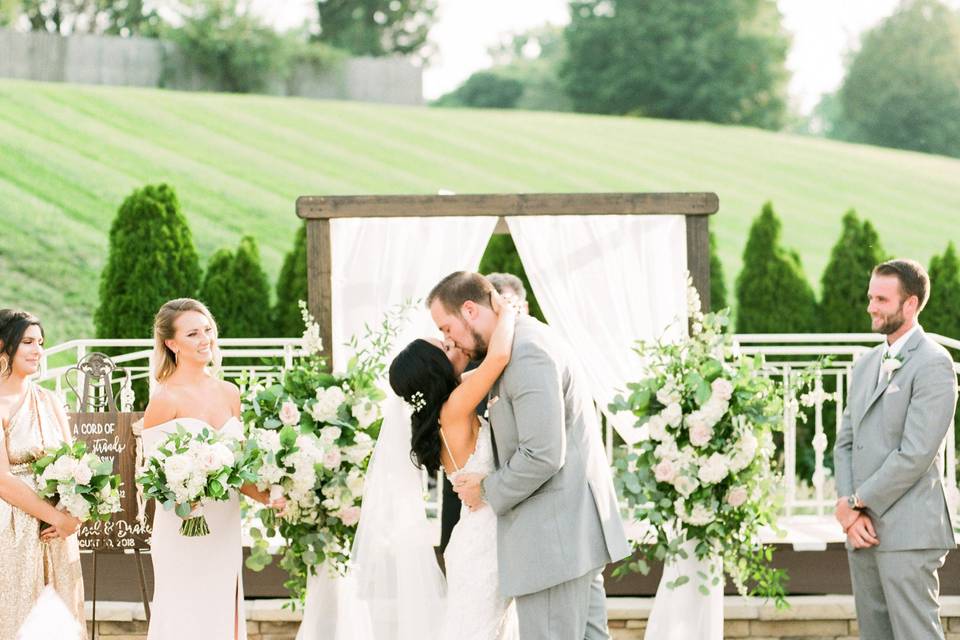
pixel 540 519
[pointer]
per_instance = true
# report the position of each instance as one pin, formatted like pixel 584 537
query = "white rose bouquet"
pixel 705 470
pixel 80 483
pixel 191 468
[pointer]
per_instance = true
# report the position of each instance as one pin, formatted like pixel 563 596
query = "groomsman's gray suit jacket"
pixel 553 493
pixel 890 446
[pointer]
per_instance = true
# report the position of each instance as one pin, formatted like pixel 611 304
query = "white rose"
pixel 329 435
pixel 665 471
pixel 332 458
pixel 890 364
pixel 696 419
pixel 327 404
pixel 667 449
pixel 177 467
pixel 270 474
pixel 714 411
pixel 62 469
pixel 289 413
pixel 700 435
pixel 657 427
pixel 82 474
pixel 673 414
pixel 268 439
pixel 685 485
pixel 206 458
pixel 668 395
pixel 355 483
pixel 714 469
pixel 350 515
pixel 76 505
pixel 722 389
pixel 700 515
pixel 736 496
pixel 366 413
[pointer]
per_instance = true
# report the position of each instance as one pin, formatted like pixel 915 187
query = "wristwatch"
pixel 853 501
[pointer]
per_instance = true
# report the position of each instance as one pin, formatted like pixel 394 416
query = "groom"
pixel 558 523
pixel 889 464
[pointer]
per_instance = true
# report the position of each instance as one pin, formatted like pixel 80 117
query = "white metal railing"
pixel 787 356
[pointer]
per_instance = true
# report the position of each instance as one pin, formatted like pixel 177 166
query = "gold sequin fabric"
pixel 26 563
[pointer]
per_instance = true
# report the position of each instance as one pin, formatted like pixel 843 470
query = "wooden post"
pixel 698 256
pixel 320 281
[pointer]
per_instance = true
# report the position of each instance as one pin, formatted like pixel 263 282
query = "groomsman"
pixel 511 288
pixel 889 463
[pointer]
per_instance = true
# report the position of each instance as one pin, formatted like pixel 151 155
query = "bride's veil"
pixel 394 564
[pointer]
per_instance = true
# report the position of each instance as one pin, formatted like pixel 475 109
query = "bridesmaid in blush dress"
pixel 198 592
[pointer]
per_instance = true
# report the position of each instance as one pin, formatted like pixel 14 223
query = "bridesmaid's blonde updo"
pixel 164 360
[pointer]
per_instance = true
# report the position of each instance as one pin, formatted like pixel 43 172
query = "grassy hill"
pixel 70 154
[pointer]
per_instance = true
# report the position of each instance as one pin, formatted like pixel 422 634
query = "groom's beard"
pixel 892 323
pixel 479 346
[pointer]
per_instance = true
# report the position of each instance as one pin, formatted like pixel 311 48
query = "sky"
pixel 823 31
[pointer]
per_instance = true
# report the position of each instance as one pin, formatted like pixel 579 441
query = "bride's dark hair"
pixel 423 376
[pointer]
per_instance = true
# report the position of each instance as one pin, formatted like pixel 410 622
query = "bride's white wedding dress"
pixel 475 609
pixel 198 591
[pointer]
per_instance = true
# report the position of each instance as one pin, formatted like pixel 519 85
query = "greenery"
pixel 714 60
pixel 111 17
pixel 236 291
pixel 377 27
pixel 718 285
pixel 942 313
pixel 292 288
pixel 484 89
pixel 703 476
pixel 902 88
pixel 70 154
pixel 152 259
pixel 773 295
pixel 501 256
pixel 844 283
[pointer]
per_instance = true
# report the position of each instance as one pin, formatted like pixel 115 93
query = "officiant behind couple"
pixel 889 463
pixel 540 520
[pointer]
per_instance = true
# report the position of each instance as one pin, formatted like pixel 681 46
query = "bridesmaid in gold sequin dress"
pixel 32 420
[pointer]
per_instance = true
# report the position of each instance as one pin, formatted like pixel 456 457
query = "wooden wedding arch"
pixel 318 211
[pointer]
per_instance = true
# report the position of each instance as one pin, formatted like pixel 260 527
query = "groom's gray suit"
pixel 558 523
pixel 889 452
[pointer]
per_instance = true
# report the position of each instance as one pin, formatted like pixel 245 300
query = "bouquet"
pixel 82 484
pixel 189 469
pixel 704 473
pixel 316 431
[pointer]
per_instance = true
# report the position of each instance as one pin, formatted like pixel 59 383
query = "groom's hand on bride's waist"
pixel 468 486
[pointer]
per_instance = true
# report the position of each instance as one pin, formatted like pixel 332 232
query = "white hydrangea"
pixel 366 413
pixel 267 439
pixel 76 505
pixel 657 427
pixel 61 470
pixel 673 414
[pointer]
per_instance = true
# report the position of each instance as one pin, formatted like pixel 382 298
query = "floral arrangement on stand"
pixel 316 430
pixel 704 471
pixel 81 483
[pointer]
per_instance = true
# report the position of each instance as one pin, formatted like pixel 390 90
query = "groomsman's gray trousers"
pixel 897 593
pixel 574 610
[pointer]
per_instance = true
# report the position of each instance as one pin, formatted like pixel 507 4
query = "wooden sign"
pixel 110 436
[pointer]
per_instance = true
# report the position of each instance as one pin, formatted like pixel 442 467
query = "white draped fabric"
pixel 685 612
pixel 605 282
pixel 395 587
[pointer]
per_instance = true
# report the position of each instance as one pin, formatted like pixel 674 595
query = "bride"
pixel 198 592
pixel 429 375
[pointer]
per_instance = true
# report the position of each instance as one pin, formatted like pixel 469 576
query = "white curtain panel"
pixel 395 589
pixel 605 282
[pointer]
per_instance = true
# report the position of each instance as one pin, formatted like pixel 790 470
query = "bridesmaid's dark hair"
pixel 13 324
pixel 423 368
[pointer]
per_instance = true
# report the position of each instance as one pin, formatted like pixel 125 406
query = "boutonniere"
pixel 891 364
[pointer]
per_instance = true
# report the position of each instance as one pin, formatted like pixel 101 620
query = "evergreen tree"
pixel 843 306
pixel 501 256
pixel 942 313
pixel 718 286
pixel 773 295
pixel 236 291
pixel 151 259
pixel 291 288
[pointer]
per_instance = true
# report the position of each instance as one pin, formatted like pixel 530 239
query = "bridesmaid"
pixel 198 591
pixel 32 419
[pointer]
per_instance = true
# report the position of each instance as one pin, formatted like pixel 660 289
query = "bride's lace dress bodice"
pixel 475 608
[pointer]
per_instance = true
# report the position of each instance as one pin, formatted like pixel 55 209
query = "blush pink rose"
pixel 289 414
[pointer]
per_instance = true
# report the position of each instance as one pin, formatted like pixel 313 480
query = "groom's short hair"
pixel 458 287
pixel 913 278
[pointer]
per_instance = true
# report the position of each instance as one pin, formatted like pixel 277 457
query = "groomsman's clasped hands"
pixel 889 465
